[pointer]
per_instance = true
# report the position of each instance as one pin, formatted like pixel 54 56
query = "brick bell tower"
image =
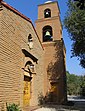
pixel 49 29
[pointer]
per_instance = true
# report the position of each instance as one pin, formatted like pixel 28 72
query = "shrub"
pixel 12 107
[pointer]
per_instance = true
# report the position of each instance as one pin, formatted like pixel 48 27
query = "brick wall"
pixel 55 66
pixel 14 33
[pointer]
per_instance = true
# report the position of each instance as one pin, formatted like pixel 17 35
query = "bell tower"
pixel 49 30
pixel 48 25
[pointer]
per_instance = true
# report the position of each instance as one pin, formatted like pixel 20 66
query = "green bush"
pixel 12 107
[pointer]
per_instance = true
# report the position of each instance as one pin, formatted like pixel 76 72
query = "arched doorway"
pixel 29 70
pixel 27 83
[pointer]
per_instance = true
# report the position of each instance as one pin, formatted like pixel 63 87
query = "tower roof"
pixel 48 1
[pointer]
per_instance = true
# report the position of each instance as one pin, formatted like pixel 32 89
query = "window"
pixel 30 41
pixel 47 33
pixel 47 13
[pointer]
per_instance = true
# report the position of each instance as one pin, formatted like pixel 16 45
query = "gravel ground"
pixel 54 109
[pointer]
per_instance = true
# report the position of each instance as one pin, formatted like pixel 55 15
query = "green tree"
pixel 74 22
pixel 82 85
pixel 73 84
pixel 81 4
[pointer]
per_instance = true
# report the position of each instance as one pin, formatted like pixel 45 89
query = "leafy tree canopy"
pixel 75 84
pixel 81 4
pixel 74 22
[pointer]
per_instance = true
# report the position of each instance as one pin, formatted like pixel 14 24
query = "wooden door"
pixel 26 93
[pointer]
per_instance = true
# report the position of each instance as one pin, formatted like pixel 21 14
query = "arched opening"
pixel 28 63
pixel 47 13
pixel 47 34
pixel 28 68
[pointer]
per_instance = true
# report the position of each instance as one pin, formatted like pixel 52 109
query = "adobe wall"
pixel 14 33
pixel 55 66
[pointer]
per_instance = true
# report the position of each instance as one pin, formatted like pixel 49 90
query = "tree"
pixel 74 22
pixel 73 84
pixel 80 4
pixel 82 85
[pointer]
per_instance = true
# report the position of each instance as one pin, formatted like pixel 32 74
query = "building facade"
pixel 32 61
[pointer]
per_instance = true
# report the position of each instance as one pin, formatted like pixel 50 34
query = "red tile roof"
pixel 20 14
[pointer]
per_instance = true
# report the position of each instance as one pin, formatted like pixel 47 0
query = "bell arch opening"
pixel 47 13
pixel 47 33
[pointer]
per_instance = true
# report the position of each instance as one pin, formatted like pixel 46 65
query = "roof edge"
pixel 21 15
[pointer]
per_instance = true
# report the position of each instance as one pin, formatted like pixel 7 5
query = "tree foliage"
pixel 75 84
pixel 81 4
pixel 82 86
pixel 74 22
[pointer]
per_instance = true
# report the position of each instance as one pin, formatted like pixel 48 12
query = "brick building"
pixel 32 61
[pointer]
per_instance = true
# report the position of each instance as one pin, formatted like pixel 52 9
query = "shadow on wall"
pixel 57 74
pixel 45 100
pixel 55 68
pixel 57 78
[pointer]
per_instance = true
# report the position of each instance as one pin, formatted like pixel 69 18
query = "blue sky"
pixel 29 8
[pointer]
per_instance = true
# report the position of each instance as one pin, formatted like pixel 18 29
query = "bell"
pixel 47 13
pixel 47 33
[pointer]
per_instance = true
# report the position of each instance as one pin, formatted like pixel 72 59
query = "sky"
pixel 30 9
